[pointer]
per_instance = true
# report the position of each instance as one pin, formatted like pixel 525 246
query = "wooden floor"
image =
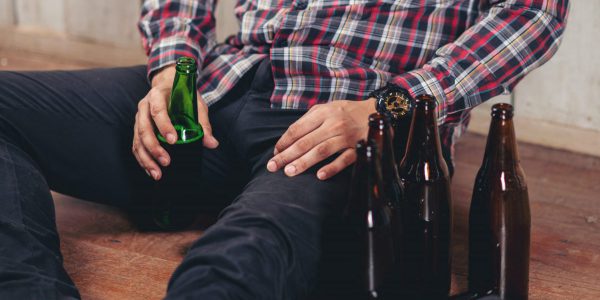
pixel 109 259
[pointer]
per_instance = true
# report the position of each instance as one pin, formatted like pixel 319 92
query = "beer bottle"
pixel 426 210
pixel 170 209
pixel 401 128
pixel 183 104
pixel 367 212
pixel 381 132
pixel 499 219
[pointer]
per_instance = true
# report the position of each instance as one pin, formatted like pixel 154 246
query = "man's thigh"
pixel 267 244
pixel 270 236
pixel 77 126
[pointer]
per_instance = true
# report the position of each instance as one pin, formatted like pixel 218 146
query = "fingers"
pixel 145 147
pixel 144 159
pixel 298 149
pixel 157 100
pixel 209 140
pixel 317 154
pixel 300 128
pixel 340 163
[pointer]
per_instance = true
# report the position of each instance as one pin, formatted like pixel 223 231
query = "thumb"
pixel 209 140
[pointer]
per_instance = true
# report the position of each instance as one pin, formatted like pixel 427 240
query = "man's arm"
pixel 175 28
pixel 510 39
pixel 170 29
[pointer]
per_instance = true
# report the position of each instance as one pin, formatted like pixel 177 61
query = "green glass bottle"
pixel 183 105
pixel 172 200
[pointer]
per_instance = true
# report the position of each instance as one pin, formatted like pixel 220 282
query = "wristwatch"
pixel 393 101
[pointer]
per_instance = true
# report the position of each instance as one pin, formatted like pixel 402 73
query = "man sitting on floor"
pixel 288 98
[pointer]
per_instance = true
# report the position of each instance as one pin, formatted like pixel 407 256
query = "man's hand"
pixel 152 111
pixel 326 129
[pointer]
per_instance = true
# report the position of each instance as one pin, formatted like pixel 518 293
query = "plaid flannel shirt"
pixel 462 52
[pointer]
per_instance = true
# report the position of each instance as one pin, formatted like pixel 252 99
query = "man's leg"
pixel 266 245
pixel 70 132
pixel 65 131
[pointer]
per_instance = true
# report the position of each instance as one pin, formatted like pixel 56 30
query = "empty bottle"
pixel 426 209
pixel 172 208
pixel 381 132
pixel 370 216
pixel 499 219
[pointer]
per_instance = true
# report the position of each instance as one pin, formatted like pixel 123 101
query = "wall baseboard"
pixel 540 132
pixel 64 46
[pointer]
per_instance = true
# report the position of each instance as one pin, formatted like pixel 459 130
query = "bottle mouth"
pixel 425 101
pixel 186 64
pixel 502 111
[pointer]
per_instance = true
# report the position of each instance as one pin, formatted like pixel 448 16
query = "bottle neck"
pixel 357 204
pixel 423 138
pixel 374 179
pixel 381 132
pixel 501 148
pixel 183 95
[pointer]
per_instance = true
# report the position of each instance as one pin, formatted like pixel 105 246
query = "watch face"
pixel 398 104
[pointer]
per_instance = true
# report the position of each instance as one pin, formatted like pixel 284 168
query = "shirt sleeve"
pixel 175 28
pixel 509 39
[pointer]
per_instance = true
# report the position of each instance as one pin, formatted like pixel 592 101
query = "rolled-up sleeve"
pixel 509 40
pixel 175 28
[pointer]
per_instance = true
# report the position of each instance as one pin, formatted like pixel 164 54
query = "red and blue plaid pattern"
pixel 463 52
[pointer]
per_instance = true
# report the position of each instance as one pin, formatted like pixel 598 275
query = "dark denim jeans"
pixel 72 132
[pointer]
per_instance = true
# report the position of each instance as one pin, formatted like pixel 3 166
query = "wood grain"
pixel 565 207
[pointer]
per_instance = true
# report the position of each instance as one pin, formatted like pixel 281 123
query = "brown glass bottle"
pixel 401 129
pixel 426 210
pixel 370 216
pixel 381 133
pixel 499 219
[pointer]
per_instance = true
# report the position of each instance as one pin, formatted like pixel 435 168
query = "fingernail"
pixel 171 138
pixel 321 175
pixel 275 151
pixel 163 161
pixel 290 170
pixel 272 166
pixel 148 173
pixel 154 174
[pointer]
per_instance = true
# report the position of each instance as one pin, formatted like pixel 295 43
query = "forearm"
pixel 174 28
pixel 509 40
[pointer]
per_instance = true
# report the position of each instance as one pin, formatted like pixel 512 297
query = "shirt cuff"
pixel 422 81
pixel 167 50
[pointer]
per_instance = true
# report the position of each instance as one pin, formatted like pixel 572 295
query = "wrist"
pixel 393 101
pixel 370 105
pixel 164 76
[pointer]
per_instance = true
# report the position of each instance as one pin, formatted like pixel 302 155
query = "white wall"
pixel 567 89
pixel 226 22
pixel 6 12
pixel 94 21
pixel 557 105
pixel 47 15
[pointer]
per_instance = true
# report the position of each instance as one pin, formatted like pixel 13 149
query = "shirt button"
pixel 301 4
